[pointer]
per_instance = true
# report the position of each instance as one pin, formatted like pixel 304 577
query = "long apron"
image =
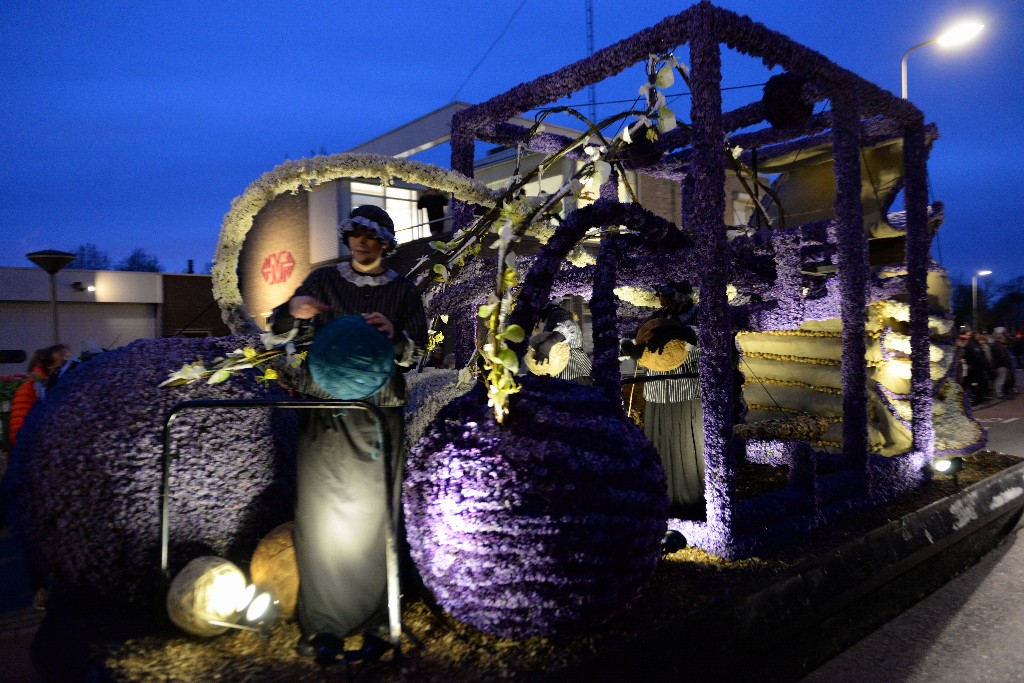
pixel 340 519
pixel 677 431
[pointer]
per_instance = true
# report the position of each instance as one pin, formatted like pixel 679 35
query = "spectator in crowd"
pixel 976 378
pixel 43 364
pixel 1018 347
pixel 89 350
pixel 434 202
pixel 1001 365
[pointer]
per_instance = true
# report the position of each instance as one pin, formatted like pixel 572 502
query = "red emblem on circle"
pixel 277 267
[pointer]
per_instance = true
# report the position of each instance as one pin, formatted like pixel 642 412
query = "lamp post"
pixel 974 297
pixel 956 35
pixel 52 261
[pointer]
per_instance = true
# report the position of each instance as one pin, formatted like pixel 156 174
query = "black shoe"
pixel 305 648
pixel 325 647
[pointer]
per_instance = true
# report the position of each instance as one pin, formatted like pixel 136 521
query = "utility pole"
pixel 592 88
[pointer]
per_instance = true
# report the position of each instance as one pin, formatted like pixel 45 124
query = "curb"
pixel 818 608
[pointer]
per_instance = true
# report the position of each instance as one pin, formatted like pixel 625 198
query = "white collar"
pixel 362 279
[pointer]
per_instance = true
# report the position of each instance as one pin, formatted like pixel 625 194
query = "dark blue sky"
pixel 134 124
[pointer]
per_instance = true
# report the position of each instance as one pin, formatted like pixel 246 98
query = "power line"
pixel 669 98
pixel 488 52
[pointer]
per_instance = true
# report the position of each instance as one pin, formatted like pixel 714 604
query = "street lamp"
pixel 974 297
pixel 52 261
pixel 958 34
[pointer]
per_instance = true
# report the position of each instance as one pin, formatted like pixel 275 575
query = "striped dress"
pixel 561 321
pixel 674 422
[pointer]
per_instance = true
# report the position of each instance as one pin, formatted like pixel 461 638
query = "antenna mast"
pixel 592 88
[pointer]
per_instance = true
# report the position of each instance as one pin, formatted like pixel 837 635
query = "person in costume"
pixel 342 502
pixel 666 345
pixel 560 335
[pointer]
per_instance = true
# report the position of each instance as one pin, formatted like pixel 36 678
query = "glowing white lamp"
pixel 206 596
pixel 956 35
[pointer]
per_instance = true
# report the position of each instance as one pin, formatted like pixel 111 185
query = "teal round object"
pixel 351 359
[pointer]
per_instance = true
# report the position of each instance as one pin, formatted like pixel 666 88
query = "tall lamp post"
pixel 958 34
pixel 974 297
pixel 52 261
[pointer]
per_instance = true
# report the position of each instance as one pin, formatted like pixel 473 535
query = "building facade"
pixel 102 308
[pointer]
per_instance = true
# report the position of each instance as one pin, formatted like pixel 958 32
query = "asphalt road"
pixel 967 631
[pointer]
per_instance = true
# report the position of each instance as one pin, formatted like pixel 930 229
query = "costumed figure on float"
pixel 341 505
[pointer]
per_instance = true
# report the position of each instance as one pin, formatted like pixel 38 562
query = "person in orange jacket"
pixel 43 363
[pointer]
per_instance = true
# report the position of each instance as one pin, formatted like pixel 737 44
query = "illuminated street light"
pixel 956 35
pixel 974 297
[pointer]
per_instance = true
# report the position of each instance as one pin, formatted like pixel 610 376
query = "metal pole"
pixel 903 65
pixel 592 88
pixel 974 303
pixel 53 307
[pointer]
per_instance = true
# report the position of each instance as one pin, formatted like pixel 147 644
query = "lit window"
pixel 399 202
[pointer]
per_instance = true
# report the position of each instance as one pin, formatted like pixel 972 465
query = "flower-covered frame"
pixel 293 176
pixel 699 165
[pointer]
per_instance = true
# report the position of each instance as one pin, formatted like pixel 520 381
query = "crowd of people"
pixel 988 363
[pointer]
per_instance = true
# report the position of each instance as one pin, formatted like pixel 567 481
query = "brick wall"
pixel 275 256
pixel 189 309
pixel 660 196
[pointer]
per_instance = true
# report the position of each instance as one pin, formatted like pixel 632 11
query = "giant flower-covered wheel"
pixel 85 475
pixel 548 523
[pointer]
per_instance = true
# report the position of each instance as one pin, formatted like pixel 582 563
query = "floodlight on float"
pixel 949 465
pixel 263 612
pixel 211 595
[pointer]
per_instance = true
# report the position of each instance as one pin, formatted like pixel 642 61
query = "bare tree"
pixel 89 257
pixel 141 262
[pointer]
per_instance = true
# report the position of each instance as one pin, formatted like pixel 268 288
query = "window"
pixel 399 202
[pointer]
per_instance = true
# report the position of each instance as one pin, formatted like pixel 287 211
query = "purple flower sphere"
pixel 86 471
pixel 547 524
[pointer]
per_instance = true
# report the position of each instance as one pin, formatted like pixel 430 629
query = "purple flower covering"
pixel 715 332
pixel 549 523
pixel 85 475
pixel 768 269
pixel 853 272
pixel 918 243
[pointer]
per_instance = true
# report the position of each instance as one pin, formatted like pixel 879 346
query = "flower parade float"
pixel 855 424
pixel 535 509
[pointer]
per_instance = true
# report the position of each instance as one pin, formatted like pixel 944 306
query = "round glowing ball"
pixel 351 359
pixel 275 567
pixel 207 589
